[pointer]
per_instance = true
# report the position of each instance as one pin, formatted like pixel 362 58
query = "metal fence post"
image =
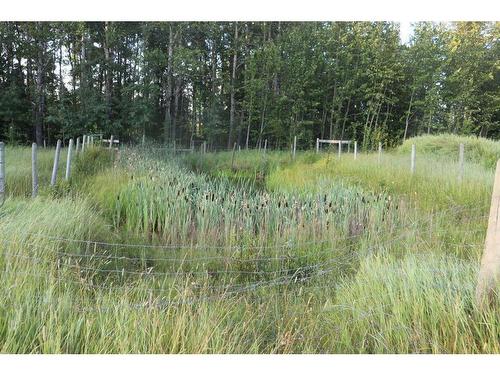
pixel 68 160
pixel 56 163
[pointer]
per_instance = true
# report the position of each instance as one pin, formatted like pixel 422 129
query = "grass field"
pixel 256 254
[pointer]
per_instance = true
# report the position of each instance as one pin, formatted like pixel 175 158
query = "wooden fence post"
pixel 265 146
pixel 56 163
pixel 77 148
pixel 355 150
pixel 379 152
pixel 489 273
pixel 461 162
pixel 111 142
pixel 83 142
pixel 2 172
pixel 68 160
pixel 340 148
pixel 413 158
pixel 317 145
pixel 294 146
pixel 232 158
pixel 34 171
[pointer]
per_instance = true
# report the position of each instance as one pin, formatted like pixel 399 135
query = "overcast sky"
pixel 405 31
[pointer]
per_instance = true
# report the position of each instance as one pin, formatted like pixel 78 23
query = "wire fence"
pixel 339 258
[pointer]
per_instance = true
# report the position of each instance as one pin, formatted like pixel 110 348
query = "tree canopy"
pixel 243 82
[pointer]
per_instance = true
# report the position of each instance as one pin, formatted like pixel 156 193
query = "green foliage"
pixel 370 273
pixel 173 81
pixel 477 150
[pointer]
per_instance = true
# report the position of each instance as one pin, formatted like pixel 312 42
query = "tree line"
pixel 243 82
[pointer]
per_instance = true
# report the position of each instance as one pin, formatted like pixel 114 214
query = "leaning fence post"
pixel 461 162
pixel 34 170
pixel 2 172
pixel 56 163
pixel 489 271
pixel 413 158
pixel 355 150
pixel 68 160
pixel 294 146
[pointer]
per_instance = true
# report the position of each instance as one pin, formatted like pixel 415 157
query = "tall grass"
pixel 19 171
pixel 434 185
pixel 477 150
pixel 333 256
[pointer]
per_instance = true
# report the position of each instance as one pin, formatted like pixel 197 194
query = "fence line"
pixel 288 245
pixel 149 270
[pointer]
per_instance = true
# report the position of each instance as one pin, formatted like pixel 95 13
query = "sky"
pixel 405 31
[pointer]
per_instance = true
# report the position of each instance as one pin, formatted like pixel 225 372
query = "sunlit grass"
pixel 315 255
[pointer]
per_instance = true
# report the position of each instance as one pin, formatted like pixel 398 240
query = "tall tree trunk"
pixel 177 92
pixel 407 121
pixel 40 88
pixel 213 63
pixel 108 72
pixel 233 86
pixel 83 80
pixel 346 113
pixel 429 123
pixel 332 112
pixel 249 124
pixel 262 118
pixel 168 93
pixel 61 81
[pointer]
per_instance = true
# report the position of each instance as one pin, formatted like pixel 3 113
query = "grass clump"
pixel 478 150
pixel 418 304
pixel 434 185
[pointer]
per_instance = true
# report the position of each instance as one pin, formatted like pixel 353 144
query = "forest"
pixel 239 83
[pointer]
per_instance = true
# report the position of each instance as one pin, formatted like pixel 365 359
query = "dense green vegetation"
pixel 244 82
pixel 477 150
pixel 319 254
